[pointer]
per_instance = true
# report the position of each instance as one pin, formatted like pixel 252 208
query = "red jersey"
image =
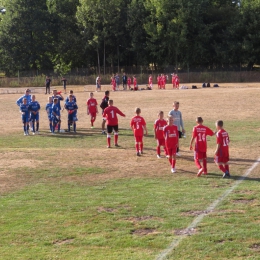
pixel 177 79
pixel 150 80
pixel 223 141
pixel 110 113
pixel 173 79
pixel 92 105
pixel 200 133
pixel 135 81
pixel 137 124
pixel 158 79
pixel 171 136
pixel 159 124
pixel 129 81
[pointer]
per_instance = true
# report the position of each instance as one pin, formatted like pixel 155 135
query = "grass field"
pixel 69 197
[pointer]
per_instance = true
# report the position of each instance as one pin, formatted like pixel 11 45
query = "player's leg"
pixel 158 150
pixel 205 169
pixel 115 135
pixel 173 162
pixel 50 124
pixel 103 125
pixel 141 145
pixel 177 150
pixel 37 123
pixel 109 132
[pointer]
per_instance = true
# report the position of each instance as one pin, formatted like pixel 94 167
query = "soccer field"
pixel 67 196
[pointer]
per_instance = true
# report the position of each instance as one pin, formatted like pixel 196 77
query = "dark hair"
pixel 199 119
pixel 220 123
pixel 106 92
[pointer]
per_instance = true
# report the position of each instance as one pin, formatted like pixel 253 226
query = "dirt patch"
pixel 243 201
pixel 142 218
pixel 255 247
pixel 145 232
pixel 103 209
pixel 63 242
pixel 187 231
pixel 194 213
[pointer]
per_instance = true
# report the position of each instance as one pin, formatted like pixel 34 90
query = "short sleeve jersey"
pixel 25 109
pixel 71 105
pixel 110 113
pixel 59 99
pixel 223 141
pixel 171 136
pixel 56 110
pixel 138 123
pixel 73 99
pixel 200 133
pixel 34 106
pixel 92 105
pixel 150 80
pixel 48 108
pixel 159 124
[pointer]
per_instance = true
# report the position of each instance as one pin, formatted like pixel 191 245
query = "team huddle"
pixel 166 132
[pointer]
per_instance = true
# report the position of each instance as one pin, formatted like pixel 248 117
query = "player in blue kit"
pixel 24 110
pixel 48 109
pixel 74 99
pixel 55 114
pixel 71 107
pixel 59 98
pixel 34 108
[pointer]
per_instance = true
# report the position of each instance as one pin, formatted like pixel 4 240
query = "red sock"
pixel 137 147
pixel 158 150
pixel 197 162
pixel 141 146
pixel 227 167
pixel 91 122
pixel 116 138
pixel 221 167
pixel 205 165
pixel 108 141
pixel 173 163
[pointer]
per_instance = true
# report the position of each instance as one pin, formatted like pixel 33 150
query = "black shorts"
pixel 111 127
pixel 180 134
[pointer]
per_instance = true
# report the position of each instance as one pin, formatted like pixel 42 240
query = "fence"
pixel 85 77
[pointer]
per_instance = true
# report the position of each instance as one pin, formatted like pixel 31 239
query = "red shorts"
pixel 93 114
pixel 160 142
pixel 139 139
pixel 221 159
pixel 200 155
pixel 171 151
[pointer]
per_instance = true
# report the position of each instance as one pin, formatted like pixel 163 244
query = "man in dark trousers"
pixel 124 78
pixel 103 105
pixel 47 85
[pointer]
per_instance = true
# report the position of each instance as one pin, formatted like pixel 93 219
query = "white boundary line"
pixel 198 219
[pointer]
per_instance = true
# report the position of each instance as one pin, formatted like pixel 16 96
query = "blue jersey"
pixel 34 106
pixel 48 109
pixel 20 100
pixel 25 109
pixel 59 99
pixel 55 110
pixel 71 105
pixel 73 99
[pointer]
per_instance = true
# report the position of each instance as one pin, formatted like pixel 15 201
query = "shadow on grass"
pixel 233 177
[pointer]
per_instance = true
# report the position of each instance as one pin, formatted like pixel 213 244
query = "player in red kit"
pixel 163 81
pixel 129 82
pixel 171 136
pixel 222 150
pixel 110 113
pixel 113 82
pixel 135 83
pixel 173 80
pixel 92 109
pixel 159 124
pixel 138 126
pixel 199 134
pixel 150 81
pixel 158 81
pixel 177 81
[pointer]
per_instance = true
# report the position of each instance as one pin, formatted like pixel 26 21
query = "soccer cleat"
pixel 104 133
pixel 178 154
pixel 53 133
pixel 138 154
pixel 33 133
pixel 226 175
pixel 173 170
pixel 200 172
pixel 116 145
pixel 141 152
pixel 92 127
pixel 159 156
pixel 108 146
pixel 25 133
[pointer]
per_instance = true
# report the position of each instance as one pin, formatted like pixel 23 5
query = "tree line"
pixel 66 34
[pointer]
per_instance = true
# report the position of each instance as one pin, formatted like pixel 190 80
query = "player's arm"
pixel 191 142
pixel 97 108
pixel 145 128
pixel 154 131
pixel 19 101
pixel 61 97
pixel 181 123
pixel 217 149
pixel 120 113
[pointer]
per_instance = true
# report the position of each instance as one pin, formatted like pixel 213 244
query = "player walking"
pixel 171 136
pixel 92 109
pixel 110 113
pixel 176 114
pixel 199 134
pixel 222 150
pixel 159 124
pixel 103 105
pixel 34 108
pixel 138 126
pixel 24 110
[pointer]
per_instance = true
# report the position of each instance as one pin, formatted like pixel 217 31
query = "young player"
pixel 59 97
pixel 48 109
pixel 129 82
pixel 34 108
pixel 110 113
pixel 24 110
pixel 138 126
pixel 150 81
pixel 92 109
pixel 103 105
pixel 158 81
pixel 135 83
pixel 163 78
pixel 173 80
pixel 98 84
pixel 113 82
pixel 222 150
pixel 71 107
pixel 177 81
pixel 199 134
pixel 74 99
pixel 171 136
pixel 159 124
pixel 55 114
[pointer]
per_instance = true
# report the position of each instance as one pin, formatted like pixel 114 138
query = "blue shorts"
pixel 55 120
pixel 35 117
pixel 72 117
pixel 25 119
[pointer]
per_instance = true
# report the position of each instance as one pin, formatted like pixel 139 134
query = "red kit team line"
pixel 166 132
